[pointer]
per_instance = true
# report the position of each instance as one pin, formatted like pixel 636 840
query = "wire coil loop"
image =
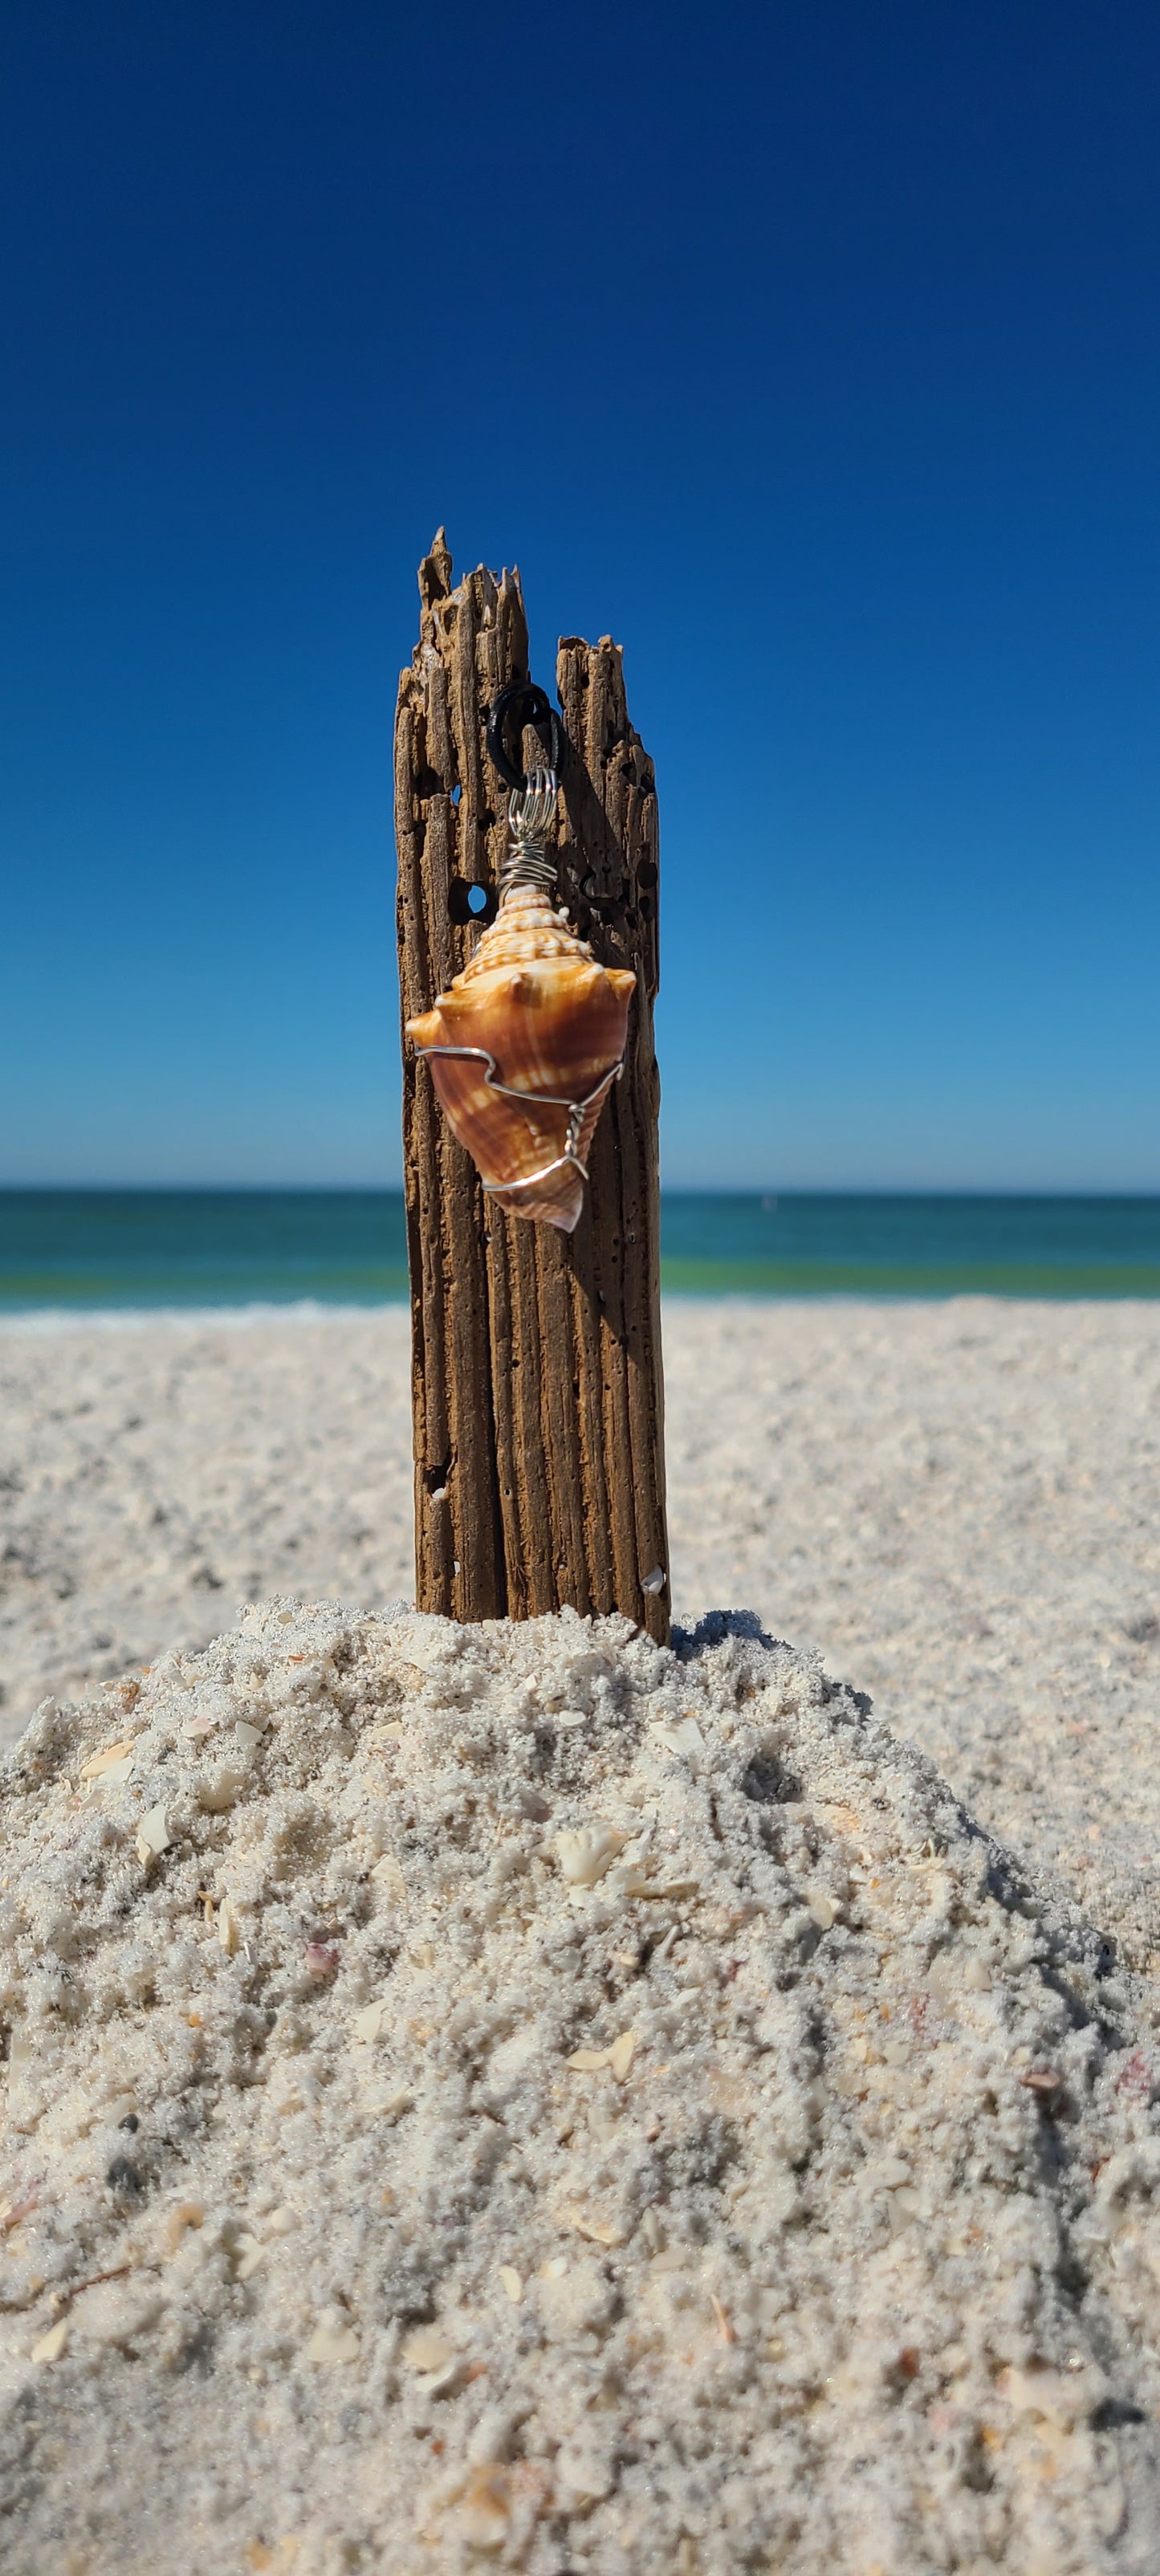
pixel 531 814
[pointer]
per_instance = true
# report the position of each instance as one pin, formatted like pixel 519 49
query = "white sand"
pixel 957 1504
pixel 520 2097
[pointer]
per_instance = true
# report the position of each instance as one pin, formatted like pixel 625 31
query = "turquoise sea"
pixel 130 1248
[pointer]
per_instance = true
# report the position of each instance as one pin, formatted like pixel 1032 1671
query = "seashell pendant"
pixel 524 1050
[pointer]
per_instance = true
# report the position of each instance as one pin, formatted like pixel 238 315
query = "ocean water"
pixel 153 1248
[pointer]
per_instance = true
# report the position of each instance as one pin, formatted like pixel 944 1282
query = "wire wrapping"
pixel 531 814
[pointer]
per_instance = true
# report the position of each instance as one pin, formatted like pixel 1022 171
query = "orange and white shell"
pixel 524 1050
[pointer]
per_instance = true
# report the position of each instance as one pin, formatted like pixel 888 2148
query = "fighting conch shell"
pixel 524 1050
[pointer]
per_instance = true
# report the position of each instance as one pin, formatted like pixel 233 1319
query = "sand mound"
pixel 516 2096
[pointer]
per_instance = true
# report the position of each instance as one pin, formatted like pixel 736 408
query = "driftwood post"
pixel 536 1360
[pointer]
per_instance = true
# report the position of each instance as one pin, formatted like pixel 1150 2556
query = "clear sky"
pixel 810 350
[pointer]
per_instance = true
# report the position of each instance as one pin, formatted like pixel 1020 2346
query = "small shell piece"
pixel 680 1736
pixel 618 2058
pixel 586 1852
pixel 114 1762
pixel 599 2231
pixel 427 2349
pixel 188 2213
pixel 524 1050
pixel 152 1836
pixel 333 2343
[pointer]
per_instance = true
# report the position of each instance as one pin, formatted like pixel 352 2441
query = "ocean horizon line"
pixel 1094 1192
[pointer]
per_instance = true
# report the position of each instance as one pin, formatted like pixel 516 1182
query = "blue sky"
pixel 811 352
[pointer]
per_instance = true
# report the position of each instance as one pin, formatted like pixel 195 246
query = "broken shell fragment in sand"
pixel 152 1835
pixel 617 2059
pixel 584 1852
pixel 113 1763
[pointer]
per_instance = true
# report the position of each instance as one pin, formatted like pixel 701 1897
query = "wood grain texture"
pixel 537 1386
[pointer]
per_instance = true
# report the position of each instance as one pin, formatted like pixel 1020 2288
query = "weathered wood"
pixel 537 1390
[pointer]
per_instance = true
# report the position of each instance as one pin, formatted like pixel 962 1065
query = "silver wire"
pixel 531 814
pixel 577 1109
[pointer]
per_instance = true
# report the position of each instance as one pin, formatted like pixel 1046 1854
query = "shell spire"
pixel 526 1045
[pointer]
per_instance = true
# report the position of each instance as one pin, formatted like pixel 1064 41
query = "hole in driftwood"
pixel 470 902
